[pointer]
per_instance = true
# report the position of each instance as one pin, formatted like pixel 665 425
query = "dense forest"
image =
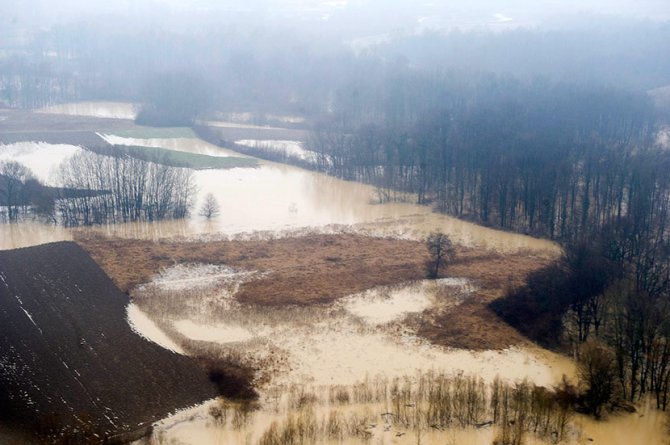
pixel 579 164
pixel 553 160
pixel 98 189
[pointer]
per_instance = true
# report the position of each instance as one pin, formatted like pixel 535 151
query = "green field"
pixel 182 159
pixel 156 133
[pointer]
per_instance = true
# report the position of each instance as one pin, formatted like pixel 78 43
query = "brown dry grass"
pixel 472 324
pixel 303 270
pixel 317 268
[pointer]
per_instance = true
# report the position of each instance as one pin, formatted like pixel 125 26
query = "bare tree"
pixel 441 252
pixel 210 208
pixel 13 175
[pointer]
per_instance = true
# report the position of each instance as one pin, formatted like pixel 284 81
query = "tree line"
pixel 546 159
pixel 577 164
pixel 98 189
pixel 134 190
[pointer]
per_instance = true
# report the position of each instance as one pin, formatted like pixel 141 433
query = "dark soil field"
pixel 317 269
pixel 68 358
pixel 27 126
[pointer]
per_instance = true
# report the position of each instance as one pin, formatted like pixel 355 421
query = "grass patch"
pixel 156 133
pixel 182 159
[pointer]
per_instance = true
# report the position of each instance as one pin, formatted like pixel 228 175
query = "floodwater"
pixel 143 326
pixel 275 197
pixel 112 110
pixel 368 336
pixel 363 337
pixel 290 149
pixel 42 158
pixel 25 234
pixel 309 352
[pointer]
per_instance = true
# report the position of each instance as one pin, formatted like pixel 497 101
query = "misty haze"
pixel 292 222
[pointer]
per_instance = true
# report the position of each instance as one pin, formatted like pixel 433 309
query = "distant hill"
pixel 68 358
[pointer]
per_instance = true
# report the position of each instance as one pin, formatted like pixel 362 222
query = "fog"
pixel 294 56
pixel 489 122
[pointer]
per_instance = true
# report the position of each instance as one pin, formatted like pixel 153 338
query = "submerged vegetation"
pixel 428 403
pixel 508 118
pixel 134 190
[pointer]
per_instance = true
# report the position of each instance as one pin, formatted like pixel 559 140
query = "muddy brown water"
pixel 276 197
pixel 282 200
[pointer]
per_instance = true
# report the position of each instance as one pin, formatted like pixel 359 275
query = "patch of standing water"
pixel 112 110
pixel 188 145
pixel 196 276
pixel 339 353
pixel 213 333
pixel 197 426
pixel 290 149
pixel 279 198
pixel 328 344
pixel 40 157
pixel 385 304
pixel 143 326
pixel 31 233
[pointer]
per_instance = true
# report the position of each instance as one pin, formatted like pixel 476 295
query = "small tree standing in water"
pixel 441 251
pixel 210 208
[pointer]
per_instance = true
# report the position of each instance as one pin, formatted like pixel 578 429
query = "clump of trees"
pixel 23 196
pixel 15 190
pixel 540 158
pixel 608 300
pixel 131 190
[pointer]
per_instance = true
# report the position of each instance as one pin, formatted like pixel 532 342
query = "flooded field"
pixel 288 149
pixel 313 363
pixel 276 197
pixel 334 372
pixel 113 110
pixel 42 158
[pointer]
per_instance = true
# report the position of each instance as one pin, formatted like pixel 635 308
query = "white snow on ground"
pixel 145 327
pixel 113 110
pixel 41 158
pixel 292 149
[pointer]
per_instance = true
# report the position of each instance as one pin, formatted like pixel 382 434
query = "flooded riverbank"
pixel 276 197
